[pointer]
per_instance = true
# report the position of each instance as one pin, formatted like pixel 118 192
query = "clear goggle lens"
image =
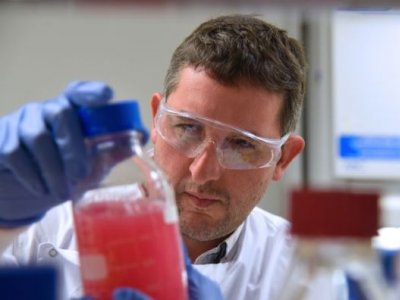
pixel 236 148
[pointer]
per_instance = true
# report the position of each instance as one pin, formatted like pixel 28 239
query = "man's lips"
pixel 202 200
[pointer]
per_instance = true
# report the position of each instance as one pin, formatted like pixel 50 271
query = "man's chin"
pixel 196 230
pixel 204 236
pixel 200 229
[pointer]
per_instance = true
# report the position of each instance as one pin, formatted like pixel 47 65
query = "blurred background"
pixel 351 117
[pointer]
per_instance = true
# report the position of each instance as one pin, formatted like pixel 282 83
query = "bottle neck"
pixel 104 153
pixel 117 139
pixel 110 149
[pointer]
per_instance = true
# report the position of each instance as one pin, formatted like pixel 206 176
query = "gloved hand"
pixel 42 153
pixel 200 287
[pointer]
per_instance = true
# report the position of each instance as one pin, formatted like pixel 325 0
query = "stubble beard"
pixel 224 226
pixel 205 232
pixel 199 225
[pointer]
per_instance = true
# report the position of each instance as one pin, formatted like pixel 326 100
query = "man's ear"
pixel 155 101
pixel 293 147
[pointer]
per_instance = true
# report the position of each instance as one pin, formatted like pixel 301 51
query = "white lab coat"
pixel 253 268
pixel 50 241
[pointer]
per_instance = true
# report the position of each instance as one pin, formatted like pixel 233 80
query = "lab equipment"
pixel 42 153
pixel 334 258
pixel 387 243
pixel 199 287
pixel 125 214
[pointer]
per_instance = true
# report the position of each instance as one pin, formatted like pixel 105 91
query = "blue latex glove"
pixel 200 287
pixel 42 153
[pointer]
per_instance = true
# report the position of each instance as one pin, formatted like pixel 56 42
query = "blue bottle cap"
pixel 111 118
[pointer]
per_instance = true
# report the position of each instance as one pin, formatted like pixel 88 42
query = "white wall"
pixel 44 46
pixel 320 119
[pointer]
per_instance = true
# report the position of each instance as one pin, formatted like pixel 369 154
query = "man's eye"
pixel 241 143
pixel 187 129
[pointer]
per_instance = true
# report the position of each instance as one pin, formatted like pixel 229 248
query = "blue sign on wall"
pixel 369 147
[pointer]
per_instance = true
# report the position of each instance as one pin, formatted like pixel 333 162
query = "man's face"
pixel 213 201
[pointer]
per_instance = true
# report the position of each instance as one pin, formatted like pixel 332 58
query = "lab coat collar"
pixel 223 252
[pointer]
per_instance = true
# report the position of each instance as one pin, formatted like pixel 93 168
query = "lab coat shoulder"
pixel 259 264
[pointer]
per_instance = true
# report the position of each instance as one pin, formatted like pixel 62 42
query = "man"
pixel 222 131
pixel 239 83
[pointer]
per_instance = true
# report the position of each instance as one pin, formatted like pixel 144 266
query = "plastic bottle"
pixel 387 243
pixel 333 258
pixel 126 218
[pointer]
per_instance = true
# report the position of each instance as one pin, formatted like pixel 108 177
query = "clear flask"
pixel 125 215
pixel 333 257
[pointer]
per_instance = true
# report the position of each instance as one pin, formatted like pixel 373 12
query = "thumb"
pixel 88 93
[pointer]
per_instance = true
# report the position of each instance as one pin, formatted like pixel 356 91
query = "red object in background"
pixel 334 213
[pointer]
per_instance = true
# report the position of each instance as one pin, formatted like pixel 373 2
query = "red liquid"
pixel 129 245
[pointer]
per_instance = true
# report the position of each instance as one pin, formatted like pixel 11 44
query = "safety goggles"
pixel 236 148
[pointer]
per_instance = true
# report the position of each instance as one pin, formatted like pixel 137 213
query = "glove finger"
pixel 65 127
pixel 15 157
pixel 39 142
pixel 129 294
pixel 88 93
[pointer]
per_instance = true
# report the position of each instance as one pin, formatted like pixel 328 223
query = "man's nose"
pixel 205 165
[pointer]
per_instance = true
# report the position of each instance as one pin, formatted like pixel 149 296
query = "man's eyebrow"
pixel 194 116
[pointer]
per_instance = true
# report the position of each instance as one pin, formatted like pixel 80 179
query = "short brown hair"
pixel 243 48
